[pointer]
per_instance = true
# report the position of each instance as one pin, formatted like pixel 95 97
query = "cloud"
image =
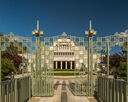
pixel 124 34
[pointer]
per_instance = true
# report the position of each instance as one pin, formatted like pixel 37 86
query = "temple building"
pixel 69 54
pixel 64 53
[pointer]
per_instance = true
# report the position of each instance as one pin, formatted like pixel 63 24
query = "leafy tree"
pixel 16 47
pixel 12 53
pixel 114 61
pixel 1 34
pixel 124 47
pixel 17 60
pixel 7 66
pixel 13 45
pixel 123 71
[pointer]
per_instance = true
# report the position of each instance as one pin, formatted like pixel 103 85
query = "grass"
pixel 65 74
pixel 63 69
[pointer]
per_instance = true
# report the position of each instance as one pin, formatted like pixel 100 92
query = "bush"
pixel 114 61
pixel 7 67
pixel 123 71
pixel 17 60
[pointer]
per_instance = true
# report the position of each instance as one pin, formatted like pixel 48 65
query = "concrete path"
pixel 62 94
pixel 72 98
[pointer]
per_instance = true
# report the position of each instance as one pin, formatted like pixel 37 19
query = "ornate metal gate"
pixel 42 73
pixel 85 53
pixel 81 71
pixel 42 66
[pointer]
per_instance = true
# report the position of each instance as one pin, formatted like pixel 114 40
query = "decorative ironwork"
pixel 41 55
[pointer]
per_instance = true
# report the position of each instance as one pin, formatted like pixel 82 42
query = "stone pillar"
pixel 69 46
pixel 58 46
pixel 61 64
pixel 66 64
pixel 71 65
pixel 56 65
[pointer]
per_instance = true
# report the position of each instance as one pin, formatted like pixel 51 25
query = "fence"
pixel 112 90
pixel 16 90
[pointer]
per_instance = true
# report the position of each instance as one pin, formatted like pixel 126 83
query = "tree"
pixel 7 67
pixel 13 49
pixel 12 44
pixel 16 47
pixel 17 60
pixel 114 61
pixel 1 34
pixel 124 47
pixel 123 71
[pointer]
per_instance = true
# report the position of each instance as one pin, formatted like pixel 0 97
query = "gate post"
pixel 38 73
pixel 127 68
pixel 108 58
pixel 0 70
pixel 90 35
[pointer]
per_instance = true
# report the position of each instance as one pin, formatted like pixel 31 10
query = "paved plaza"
pixel 61 93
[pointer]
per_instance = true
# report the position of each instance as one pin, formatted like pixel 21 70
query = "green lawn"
pixel 63 69
pixel 65 74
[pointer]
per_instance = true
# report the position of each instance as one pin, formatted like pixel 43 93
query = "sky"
pixel 58 16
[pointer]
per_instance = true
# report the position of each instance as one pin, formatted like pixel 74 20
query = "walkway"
pixel 61 94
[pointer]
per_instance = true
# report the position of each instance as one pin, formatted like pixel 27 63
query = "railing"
pixel 16 90
pixel 112 90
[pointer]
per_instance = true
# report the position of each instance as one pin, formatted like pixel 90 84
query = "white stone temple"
pixel 66 54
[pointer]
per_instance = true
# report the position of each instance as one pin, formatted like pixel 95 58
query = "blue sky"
pixel 57 16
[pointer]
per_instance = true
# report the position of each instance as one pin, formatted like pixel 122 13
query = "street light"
pixel 90 35
pixel 91 31
pixel 37 33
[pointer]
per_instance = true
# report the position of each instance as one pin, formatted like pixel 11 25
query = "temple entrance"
pixel 64 65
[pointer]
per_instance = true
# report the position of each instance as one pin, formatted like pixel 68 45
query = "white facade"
pixel 65 55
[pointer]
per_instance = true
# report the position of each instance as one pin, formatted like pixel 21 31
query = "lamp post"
pixel 0 69
pixel 125 49
pixel 90 35
pixel 38 34
pixel 127 68
pixel 108 49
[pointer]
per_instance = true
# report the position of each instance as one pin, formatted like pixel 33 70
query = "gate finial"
pixel 90 26
pixel 37 24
